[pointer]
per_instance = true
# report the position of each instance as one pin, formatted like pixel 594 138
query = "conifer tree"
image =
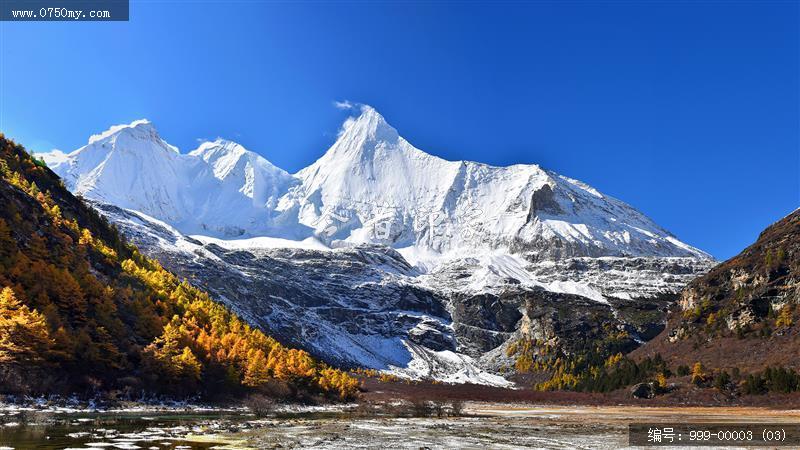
pixel 8 246
pixel 698 373
pixel 23 332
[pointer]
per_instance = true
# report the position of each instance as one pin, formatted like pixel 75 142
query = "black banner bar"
pixel 714 434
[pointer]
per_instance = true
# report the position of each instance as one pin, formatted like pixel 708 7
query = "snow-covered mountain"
pixel 220 189
pixel 399 256
pixel 371 186
pixel 245 172
pixel 384 190
pixel 365 306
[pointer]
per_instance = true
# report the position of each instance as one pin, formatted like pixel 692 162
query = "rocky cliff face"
pixel 366 306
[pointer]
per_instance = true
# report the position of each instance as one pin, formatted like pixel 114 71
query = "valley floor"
pixel 497 425
pixel 480 425
pixel 683 394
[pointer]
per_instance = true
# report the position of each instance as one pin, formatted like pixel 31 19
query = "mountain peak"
pixel 218 148
pixel 230 152
pixel 253 175
pixel 360 138
pixel 141 127
pixel 369 126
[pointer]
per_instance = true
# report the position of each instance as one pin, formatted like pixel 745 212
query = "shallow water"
pixel 326 430
pixel 478 433
pixel 485 426
pixel 46 430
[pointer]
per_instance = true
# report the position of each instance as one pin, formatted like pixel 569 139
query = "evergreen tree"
pixel 8 246
pixel 23 332
pixel 722 380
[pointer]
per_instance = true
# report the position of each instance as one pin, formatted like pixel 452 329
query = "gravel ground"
pixel 495 426
pixel 460 433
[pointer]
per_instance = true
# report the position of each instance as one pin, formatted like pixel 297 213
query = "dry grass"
pixel 684 394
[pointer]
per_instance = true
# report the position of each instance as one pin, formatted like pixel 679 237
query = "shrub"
pixel 438 408
pixel 754 385
pixel 698 374
pixel 456 408
pixel 260 405
pixel 661 382
pixel 772 379
pixel 722 380
pixel 784 318
pixel 420 408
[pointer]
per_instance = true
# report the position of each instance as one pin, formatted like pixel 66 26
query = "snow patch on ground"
pixel 446 366
pixel 310 243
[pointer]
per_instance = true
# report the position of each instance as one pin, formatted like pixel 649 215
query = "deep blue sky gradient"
pixel 687 111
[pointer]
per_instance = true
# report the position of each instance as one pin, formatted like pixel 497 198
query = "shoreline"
pixel 683 396
pixel 606 413
pixel 481 399
pixel 480 424
pixel 470 408
pixel 8 409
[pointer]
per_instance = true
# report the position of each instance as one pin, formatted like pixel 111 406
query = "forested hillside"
pixel 83 312
pixel 739 321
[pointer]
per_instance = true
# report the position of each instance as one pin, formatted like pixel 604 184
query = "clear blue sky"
pixel 689 112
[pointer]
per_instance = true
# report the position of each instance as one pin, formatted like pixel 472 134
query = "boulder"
pixel 643 390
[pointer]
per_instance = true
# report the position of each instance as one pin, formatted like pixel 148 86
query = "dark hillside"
pixel 743 314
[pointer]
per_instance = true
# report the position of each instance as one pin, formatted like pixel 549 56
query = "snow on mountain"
pixel 381 255
pixel 244 171
pixel 371 186
pixel 129 165
pixel 220 189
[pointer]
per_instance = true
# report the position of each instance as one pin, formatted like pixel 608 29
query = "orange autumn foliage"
pixel 77 297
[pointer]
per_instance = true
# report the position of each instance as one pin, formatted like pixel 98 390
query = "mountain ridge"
pixel 371 186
